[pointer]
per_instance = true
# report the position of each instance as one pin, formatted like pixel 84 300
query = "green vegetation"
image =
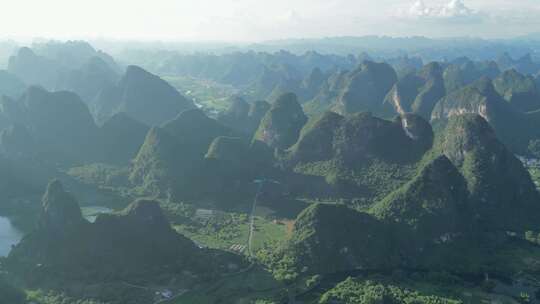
pixel 42 297
pixel 371 180
pixel 441 210
pixel 146 248
pixel 153 167
pixel 142 96
pixel 100 174
pixel 171 160
pixel 225 230
pixel 59 126
pixel 431 92
pixel 433 204
pixel 223 197
pixel 361 155
pixel 328 92
pixel 366 88
pixel 463 72
pixel 519 90
pixel 358 291
pixel 253 286
pixel 121 137
pixel 212 96
pixel 470 143
pixel 268 232
pixel 281 125
pixel 535 175
pixel 514 128
pixel 416 92
pixel 242 117
pixel 220 231
pixel 323 242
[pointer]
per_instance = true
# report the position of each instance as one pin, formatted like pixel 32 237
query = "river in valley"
pixel 9 235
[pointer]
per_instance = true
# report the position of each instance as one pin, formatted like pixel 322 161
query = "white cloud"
pixel 454 9
pixel 256 20
pixel 419 9
pixel 475 18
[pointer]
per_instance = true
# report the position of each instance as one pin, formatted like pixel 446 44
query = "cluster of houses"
pixel 237 248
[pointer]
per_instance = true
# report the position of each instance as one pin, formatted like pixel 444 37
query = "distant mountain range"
pixel 399 169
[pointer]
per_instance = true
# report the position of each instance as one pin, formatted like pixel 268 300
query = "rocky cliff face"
pixel 156 164
pixel 61 212
pixel 416 93
pixel 479 98
pixel 514 128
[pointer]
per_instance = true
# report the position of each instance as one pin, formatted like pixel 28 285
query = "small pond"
pixel 90 213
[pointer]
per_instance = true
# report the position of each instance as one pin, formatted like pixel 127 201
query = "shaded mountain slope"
pixel 137 241
pixel 143 96
pixel 519 90
pixel 504 195
pixel 281 125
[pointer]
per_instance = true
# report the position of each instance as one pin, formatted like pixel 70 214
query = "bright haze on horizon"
pixel 250 20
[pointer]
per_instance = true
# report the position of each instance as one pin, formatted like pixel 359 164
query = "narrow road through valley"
pixel 252 217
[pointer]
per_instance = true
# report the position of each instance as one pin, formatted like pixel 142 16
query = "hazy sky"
pixel 256 20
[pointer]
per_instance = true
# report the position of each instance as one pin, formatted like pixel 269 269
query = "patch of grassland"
pixel 209 94
pixel 267 232
pixel 224 230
